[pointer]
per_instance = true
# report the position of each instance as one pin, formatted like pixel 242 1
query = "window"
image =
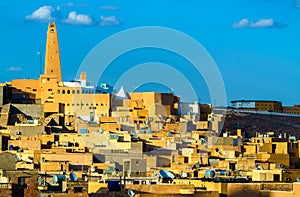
pixel 186 160
pixel 73 91
pixel 58 91
pixel 22 182
pixel 63 92
pixel 78 92
pixel 68 91
pixel 49 90
pixel 34 90
pixel 273 148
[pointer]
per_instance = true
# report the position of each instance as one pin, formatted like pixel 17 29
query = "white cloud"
pixel 14 68
pixel 109 21
pixel 263 23
pixel 44 13
pixel 71 4
pixel 242 23
pixel 78 19
pixel 258 24
pixel 109 7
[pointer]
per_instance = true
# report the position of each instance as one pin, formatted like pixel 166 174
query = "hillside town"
pixel 75 139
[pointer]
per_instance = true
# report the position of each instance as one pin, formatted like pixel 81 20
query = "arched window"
pixel 63 91
pixel 73 91
pixel 68 91
pixel 58 91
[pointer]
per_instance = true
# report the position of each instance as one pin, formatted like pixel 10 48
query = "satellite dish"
pixel 41 181
pixel 54 179
pixel 93 169
pixel 258 167
pixel 17 158
pixel 131 193
pixel 73 176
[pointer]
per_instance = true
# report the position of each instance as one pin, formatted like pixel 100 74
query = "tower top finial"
pixel 83 76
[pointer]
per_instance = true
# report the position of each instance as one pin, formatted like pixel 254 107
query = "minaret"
pixel 52 57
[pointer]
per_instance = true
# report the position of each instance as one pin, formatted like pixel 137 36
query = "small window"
pixel 63 92
pixel 49 90
pixel 68 91
pixel 73 91
pixel 186 160
pixel 78 92
pixel 58 91
pixel 34 90
pixel 48 79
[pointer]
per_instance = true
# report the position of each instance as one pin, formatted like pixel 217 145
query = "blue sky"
pixel 255 43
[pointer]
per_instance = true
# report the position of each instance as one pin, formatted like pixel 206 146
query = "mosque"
pixel 65 101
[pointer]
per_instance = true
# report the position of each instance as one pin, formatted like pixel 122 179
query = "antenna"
pixel 40 55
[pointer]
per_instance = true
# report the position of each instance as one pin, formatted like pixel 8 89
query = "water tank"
pixel 166 174
pixel 210 173
pixel 223 173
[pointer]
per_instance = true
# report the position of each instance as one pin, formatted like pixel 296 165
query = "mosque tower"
pixel 52 77
pixel 52 57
